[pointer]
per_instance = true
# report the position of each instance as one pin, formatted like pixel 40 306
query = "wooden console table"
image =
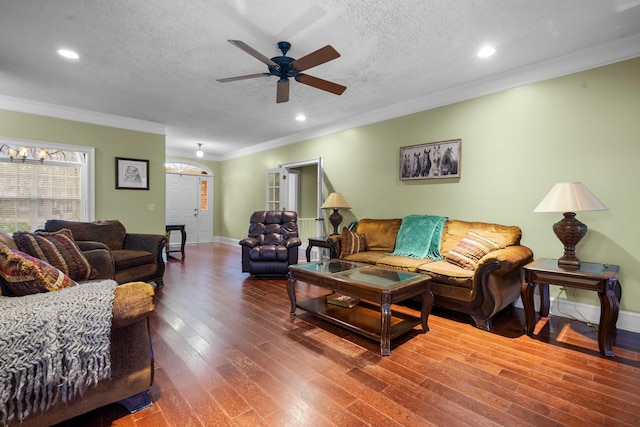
pixel 172 226
pixel 601 278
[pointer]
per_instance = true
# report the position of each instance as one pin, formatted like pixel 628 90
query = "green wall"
pixel 129 206
pixel 516 145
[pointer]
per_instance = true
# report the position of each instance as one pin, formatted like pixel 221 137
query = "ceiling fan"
pixel 286 67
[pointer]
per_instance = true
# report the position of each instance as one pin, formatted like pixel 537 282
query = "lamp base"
pixel 335 219
pixel 570 231
pixel 569 264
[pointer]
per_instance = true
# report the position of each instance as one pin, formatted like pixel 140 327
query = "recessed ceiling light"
pixel 301 117
pixel 68 54
pixel 486 51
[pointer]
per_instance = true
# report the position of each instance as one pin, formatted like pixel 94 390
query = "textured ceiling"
pixel 158 60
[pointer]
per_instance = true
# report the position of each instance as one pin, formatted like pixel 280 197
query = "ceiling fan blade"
pixel 245 77
pixel 321 84
pixel 251 51
pixel 320 56
pixel 282 94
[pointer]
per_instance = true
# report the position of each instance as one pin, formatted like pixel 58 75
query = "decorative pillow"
pixel 352 243
pixel 24 274
pixel 470 250
pixel 58 249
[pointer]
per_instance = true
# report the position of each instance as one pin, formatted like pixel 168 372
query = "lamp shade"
pixel 570 197
pixel 335 201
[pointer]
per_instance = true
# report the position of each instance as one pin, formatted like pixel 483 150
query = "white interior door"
pixel 277 189
pixel 182 205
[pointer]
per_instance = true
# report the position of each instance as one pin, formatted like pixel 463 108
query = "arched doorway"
pixel 189 201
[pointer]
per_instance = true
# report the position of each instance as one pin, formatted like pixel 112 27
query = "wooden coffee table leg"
pixel 385 329
pixel 291 290
pixel 427 305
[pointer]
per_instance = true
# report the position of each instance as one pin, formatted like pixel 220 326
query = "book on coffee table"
pixel 342 300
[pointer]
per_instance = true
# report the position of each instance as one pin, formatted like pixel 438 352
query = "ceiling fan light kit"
pixel 286 67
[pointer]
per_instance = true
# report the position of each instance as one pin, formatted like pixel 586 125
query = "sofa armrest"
pixel 509 258
pixel 153 243
pixel 293 242
pixel 249 242
pixel 132 302
pixel 335 245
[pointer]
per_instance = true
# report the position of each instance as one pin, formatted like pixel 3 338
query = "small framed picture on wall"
pixel 431 160
pixel 132 174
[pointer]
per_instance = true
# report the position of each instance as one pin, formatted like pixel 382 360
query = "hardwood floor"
pixel 227 353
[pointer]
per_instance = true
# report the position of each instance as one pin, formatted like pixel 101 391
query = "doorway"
pixel 299 186
pixel 190 202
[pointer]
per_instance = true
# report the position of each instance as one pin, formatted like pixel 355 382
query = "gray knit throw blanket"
pixel 53 346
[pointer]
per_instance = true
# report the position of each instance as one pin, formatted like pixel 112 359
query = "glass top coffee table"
pixel 377 289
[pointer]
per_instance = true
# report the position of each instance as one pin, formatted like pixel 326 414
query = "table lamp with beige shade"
pixel 335 201
pixel 569 198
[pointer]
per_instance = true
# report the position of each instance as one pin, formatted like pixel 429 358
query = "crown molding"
pixel 78 115
pixel 593 57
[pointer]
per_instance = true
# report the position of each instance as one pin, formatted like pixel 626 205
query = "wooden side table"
pixel 172 226
pixel 601 278
pixel 319 242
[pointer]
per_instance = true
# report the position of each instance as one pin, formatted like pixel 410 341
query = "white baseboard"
pixel 226 240
pixel 627 320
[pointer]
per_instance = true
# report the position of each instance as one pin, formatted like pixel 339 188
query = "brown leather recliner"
pixel 272 243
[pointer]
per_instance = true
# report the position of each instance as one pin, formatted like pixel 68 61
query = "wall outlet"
pixel 151 207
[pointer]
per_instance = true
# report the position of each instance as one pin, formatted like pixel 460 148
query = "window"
pixel 35 190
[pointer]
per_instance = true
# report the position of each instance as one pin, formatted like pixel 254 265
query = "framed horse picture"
pixel 431 160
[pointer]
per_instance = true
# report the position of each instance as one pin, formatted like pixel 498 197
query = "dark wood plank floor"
pixel 227 353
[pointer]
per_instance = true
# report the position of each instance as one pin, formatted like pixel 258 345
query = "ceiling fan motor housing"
pixel 284 70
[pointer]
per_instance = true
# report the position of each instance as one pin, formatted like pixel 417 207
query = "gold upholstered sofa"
pixel 477 283
pixel 124 335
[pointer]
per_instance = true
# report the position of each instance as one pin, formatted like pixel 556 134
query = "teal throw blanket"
pixel 419 237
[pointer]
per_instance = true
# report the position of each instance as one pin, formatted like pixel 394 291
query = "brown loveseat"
pixel 480 292
pixel 136 256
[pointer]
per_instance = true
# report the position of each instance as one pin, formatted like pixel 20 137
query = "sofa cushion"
pixel 402 263
pixel 367 257
pixel 110 232
pixel 58 249
pixel 468 252
pixel 455 230
pixel 380 233
pixel 447 273
pixel 269 253
pixel 128 258
pixel 24 274
pixel 352 243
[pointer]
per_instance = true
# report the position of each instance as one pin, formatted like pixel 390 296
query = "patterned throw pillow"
pixel 470 250
pixel 58 249
pixel 24 274
pixel 352 243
